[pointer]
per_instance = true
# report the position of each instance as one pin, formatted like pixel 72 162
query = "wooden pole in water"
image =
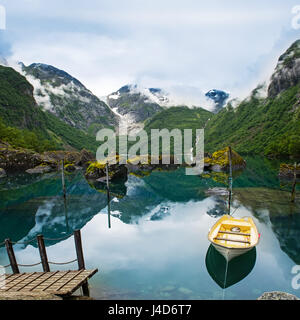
pixel 63 177
pixel 294 184
pixel 11 256
pixel 80 259
pixel 64 192
pixel 108 196
pixel 43 253
pixel 230 177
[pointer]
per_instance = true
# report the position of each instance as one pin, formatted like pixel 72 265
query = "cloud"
pixel 5 46
pixel 169 44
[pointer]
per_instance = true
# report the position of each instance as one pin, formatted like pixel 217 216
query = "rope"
pixel 29 265
pixel 234 211
pixel 61 263
pixel 23 242
pixel 5 266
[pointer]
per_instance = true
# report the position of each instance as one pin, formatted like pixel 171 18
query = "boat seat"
pixel 231 240
pixel 236 223
pixel 237 233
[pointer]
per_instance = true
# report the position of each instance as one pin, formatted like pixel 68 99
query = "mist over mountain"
pixel 67 98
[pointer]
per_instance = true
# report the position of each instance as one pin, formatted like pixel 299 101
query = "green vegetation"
pixel 24 124
pixel 180 118
pixel 24 138
pixel 268 126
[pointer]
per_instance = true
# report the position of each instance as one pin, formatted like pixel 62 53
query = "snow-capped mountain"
pixel 137 104
pixel 67 98
pixel 219 97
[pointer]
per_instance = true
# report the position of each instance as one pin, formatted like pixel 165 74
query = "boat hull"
pixel 230 253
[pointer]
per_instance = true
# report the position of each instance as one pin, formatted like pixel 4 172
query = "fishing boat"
pixel 233 236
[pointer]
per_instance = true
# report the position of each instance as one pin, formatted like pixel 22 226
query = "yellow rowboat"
pixel 233 237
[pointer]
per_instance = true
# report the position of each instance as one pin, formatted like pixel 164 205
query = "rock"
pixel 277 295
pixel 2 173
pixel 18 160
pixel 287 171
pixel 287 72
pixel 71 167
pixel 185 291
pixel 219 161
pixel 97 171
pixel 40 169
pixel 84 157
pixel 168 288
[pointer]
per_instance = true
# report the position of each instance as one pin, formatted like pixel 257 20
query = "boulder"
pixel 97 170
pixel 84 158
pixel 277 295
pixel 39 170
pixel 287 171
pixel 219 161
pixel 18 160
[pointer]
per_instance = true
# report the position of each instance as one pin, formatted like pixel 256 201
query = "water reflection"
pixel 158 243
pixel 227 274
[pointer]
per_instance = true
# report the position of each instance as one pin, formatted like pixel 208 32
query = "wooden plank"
pixel 231 240
pixel 236 233
pixel 48 276
pixel 21 279
pixel 58 282
pixel 11 277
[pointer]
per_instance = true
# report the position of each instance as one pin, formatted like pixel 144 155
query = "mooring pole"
pixel 108 196
pixel 230 177
pixel 294 184
pixel 63 177
pixel 11 256
pixel 80 259
pixel 43 253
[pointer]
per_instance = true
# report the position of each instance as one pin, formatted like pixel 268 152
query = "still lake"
pixel 157 245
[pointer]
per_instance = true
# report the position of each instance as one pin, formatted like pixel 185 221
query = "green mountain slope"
pixel 268 126
pixel 179 117
pixel 24 124
pixel 68 99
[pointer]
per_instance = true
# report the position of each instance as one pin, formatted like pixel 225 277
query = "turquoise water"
pixel 157 245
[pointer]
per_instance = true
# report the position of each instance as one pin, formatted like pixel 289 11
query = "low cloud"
pixel 186 47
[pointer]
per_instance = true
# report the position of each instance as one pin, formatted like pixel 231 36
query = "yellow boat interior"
pixel 234 233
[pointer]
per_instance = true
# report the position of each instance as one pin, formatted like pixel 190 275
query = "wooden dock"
pixel 61 283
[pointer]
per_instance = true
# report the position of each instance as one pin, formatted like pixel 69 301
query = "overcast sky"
pixel 189 45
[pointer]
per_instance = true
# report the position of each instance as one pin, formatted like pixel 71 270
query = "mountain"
pixel 180 117
pixel 287 72
pixel 268 125
pixel 23 123
pixel 68 99
pixel 135 103
pixel 219 97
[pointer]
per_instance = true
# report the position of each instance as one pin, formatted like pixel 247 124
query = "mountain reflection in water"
pixel 157 246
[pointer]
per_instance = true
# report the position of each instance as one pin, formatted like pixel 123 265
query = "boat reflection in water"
pixel 226 274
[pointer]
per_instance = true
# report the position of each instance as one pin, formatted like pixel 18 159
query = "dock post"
pixel 108 196
pixel 80 260
pixel 43 253
pixel 11 256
